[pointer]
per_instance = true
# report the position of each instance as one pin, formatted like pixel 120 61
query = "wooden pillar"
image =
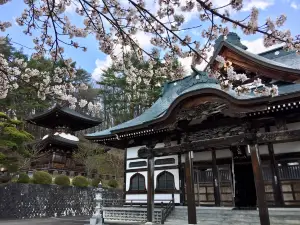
pixel 125 168
pixel 216 181
pixel 189 180
pixel 150 192
pixel 259 185
pixel 276 183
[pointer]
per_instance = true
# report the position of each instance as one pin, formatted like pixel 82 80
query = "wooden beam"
pixel 150 192
pixel 189 180
pixel 259 185
pixel 241 139
pixel 217 193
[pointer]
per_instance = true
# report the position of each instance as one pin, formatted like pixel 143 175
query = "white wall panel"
pixel 132 151
pixel 157 198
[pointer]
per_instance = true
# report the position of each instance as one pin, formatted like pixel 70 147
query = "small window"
pixel 137 164
pixel 165 161
pixel 137 182
pixel 165 180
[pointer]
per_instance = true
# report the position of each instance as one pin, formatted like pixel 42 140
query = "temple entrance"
pixel 245 193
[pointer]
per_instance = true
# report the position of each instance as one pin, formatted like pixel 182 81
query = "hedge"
pixel 42 177
pixel 23 178
pixel 113 183
pixel 80 181
pixel 62 180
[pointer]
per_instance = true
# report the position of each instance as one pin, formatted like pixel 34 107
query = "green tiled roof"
pixel 197 81
pixel 175 89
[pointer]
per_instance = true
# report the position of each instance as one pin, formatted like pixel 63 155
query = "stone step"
pixel 226 216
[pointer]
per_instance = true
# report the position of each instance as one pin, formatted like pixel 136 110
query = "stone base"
pixel 96 221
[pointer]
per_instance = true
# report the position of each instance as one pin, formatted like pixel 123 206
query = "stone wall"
pixel 20 201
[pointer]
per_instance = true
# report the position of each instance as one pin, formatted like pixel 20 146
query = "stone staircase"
pixel 227 216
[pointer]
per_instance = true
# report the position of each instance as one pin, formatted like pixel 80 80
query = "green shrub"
pixel 42 177
pixel 95 182
pixel 113 183
pixel 80 181
pixel 62 180
pixel 23 178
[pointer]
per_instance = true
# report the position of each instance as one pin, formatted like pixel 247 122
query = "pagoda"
pixel 57 147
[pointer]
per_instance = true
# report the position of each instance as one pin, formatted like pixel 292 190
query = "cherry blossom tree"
pixel 115 25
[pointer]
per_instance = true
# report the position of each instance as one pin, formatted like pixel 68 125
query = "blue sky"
pixel 94 60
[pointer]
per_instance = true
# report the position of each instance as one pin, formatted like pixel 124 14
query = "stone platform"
pixel 227 216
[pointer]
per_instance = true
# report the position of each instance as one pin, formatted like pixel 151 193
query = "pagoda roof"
pixel 56 140
pixel 199 82
pixel 63 116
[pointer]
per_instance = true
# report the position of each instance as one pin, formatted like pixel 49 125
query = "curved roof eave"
pixel 255 58
pixel 63 110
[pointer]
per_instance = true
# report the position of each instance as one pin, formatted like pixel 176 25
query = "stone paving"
pixel 53 221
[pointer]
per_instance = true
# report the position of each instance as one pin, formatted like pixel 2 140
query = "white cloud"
pixel 294 5
pixel 142 38
pixel 71 8
pixel 100 66
pixel 249 4
pixel 257 45
pixel 187 62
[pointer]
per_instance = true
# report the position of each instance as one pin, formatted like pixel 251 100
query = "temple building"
pixel 56 148
pixel 213 147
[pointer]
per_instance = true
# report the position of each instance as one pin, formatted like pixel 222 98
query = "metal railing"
pixel 166 211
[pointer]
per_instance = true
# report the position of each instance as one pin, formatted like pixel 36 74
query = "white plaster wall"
pixel 157 197
pixel 132 151
pixel 207 156
pixel 142 197
pixel 136 160
pixel 287 147
pixel 280 148
pixel 199 156
pixel 165 198
pixel 225 153
pixel 293 126
pixel 290 126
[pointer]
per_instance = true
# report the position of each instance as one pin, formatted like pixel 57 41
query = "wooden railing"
pixel 206 176
pixel 166 210
pixel 285 173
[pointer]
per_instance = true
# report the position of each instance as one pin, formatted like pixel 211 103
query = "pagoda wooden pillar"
pixel 216 180
pixel 150 191
pixel 189 181
pixel 259 184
